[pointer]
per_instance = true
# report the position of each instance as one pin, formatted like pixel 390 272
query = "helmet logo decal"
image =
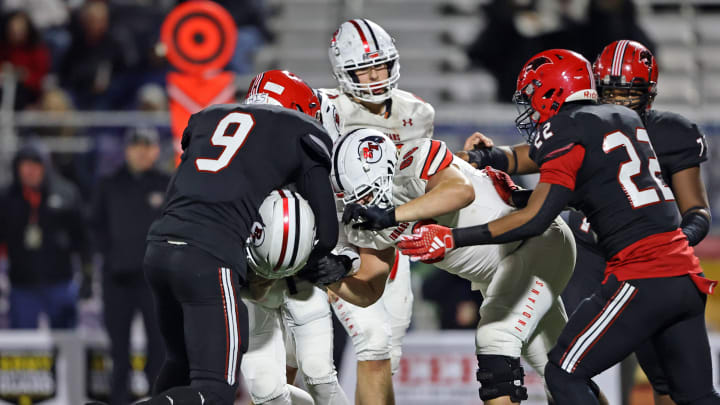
pixel 536 63
pixel 369 149
pixel 257 233
pixel 274 87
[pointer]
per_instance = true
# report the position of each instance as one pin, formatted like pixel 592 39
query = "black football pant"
pixel 203 322
pixel 667 313
pixel 586 279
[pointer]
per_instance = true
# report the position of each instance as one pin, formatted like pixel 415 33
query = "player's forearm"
pixel 447 197
pixel 519 161
pixel 544 205
pixel 356 291
pixel 696 225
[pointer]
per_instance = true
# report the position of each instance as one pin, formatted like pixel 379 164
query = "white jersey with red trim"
pixel 406 116
pixel 419 160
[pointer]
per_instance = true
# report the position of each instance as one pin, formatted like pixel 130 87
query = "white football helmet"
pixel 364 164
pixel 329 116
pixel 358 44
pixel 282 246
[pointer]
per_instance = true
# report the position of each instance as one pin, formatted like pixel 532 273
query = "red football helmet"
pixel 626 74
pixel 280 87
pixel 546 82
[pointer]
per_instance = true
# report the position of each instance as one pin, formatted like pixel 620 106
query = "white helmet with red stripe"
pixel 363 167
pixel 359 44
pixel 281 247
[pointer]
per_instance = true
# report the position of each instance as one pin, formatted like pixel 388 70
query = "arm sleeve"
pixel 555 201
pixel 695 225
pixel 492 156
pixel 314 185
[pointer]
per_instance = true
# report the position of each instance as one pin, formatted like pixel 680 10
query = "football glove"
pixel 503 184
pixel 428 243
pixel 371 217
pixel 326 270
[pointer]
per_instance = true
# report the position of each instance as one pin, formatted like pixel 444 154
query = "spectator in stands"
pixel 51 18
pixel 456 303
pixel 528 27
pixel 250 19
pixel 24 51
pixel 42 223
pixel 125 205
pixel 609 21
pixel 95 58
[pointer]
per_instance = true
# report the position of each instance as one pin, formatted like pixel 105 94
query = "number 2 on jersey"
pixel 230 143
pixel 631 168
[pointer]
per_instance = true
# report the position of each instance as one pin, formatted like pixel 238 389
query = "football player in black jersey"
pixel 626 73
pixel 598 158
pixel 195 260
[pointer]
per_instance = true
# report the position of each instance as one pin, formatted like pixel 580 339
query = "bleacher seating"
pixel 434 65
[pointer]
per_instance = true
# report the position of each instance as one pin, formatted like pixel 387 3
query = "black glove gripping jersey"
pixel 618 185
pixel 233 157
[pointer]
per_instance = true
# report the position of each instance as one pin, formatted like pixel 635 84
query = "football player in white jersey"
pixel 521 282
pixel 366 64
pixel 290 320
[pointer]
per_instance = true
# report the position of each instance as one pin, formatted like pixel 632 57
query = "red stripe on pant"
pixel 604 330
pixel 227 328
pixel 570 346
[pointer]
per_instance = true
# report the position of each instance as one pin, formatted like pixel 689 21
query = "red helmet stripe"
pixel 362 35
pixel 618 58
pixel 286 229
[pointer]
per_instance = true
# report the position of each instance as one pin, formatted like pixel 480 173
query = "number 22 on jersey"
pixel 631 168
pixel 231 143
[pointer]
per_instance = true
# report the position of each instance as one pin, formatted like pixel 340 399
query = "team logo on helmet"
pixel 257 233
pixel 537 62
pixel 369 149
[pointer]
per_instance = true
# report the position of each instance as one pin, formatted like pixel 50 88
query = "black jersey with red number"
pixel 618 185
pixel 234 156
pixel 678 143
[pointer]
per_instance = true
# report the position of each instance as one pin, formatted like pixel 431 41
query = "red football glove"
pixel 504 185
pixel 429 243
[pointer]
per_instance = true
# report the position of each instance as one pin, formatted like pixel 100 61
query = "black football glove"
pixel 326 270
pixel 483 156
pixel 372 217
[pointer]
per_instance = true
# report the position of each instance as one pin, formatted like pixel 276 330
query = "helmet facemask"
pixel 637 95
pixel 376 192
pixel 527 119
pixel 347 77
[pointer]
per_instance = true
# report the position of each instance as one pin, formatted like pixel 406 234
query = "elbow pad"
pixel 491 156
pixel 695 225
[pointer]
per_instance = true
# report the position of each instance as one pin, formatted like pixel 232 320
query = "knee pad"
pixel 500 376
pixel 372 341
pixel 318 370
pixel 266 385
